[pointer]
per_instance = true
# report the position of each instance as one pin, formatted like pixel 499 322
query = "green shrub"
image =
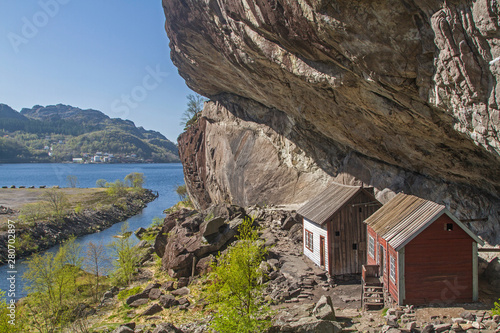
pixel 128 292
pixel 496 309
pixel 236 292
pixel 78 208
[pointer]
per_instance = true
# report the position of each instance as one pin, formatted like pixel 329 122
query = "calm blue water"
pixel 163 178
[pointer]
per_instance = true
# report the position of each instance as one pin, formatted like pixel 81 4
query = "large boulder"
pixel 313 325
pixel 324 309
pixel 169 223
pixel 492 272
pixel 212 226
pixel 187 244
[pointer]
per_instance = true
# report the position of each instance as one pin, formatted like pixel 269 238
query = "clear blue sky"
pixel 107 55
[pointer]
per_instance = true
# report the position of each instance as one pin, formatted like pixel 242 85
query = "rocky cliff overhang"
pixel 406 86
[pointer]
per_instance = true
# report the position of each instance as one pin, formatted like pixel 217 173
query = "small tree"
pixel 101 183
pixel 128 258
pixel 116 189
pixel 96 262
pixel 33 212
pixel 194 108
pixel 46 277
pixel 236 291
pixel 72 181
pixel 56 200
pixel 135 179
pixel 72 256
pixel 182 192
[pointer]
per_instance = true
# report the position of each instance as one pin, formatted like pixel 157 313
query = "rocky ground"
pixel 304 297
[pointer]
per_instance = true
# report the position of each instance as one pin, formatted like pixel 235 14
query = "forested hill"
pixel 59 133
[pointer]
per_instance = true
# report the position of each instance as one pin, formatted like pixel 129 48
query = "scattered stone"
pixel 295 233
pixel 442 327
pixel 151 286
pixel 184 303
pixel 391 320
pixel 168 301
pixel 130 325
pixel 139 302
pixel 490 324
pixel 457 320
pixel 477 325
pixel 152 309
pixel 411 326
pixel 182 282
pixel 427 328
pixel 466 326
pixel 273 275
pixel 468 316
pixel 393 330
pixel 107 294
pixel 496 318
pixel 155 293
pixel 290 221
pixel 123 329
pixel 168 286
pixel 181 292
pixel 166 328
pixel 313 325
pixel 139 232
pixel 135 297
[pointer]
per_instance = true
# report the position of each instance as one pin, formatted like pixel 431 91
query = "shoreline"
pixel 40 236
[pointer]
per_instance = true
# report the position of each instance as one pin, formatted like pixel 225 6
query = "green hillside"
pixel 59 133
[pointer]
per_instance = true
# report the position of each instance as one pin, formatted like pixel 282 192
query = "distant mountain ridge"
pixel 58 133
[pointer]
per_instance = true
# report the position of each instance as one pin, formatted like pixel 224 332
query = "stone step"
pixel 293 300
pixel 373 304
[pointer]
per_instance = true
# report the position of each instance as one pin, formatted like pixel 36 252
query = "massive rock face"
pixel 401 95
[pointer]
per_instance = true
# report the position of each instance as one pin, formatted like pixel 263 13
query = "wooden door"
pixel 381 260
pixel 322 251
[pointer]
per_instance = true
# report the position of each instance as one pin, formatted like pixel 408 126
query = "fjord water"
pixel 163 178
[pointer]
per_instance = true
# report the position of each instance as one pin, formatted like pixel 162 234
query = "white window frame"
pixel 309 240
pixel 371 246
pixel 392 267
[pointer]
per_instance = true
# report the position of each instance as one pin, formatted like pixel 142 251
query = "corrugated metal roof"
pixel 324 205
pixel 405 216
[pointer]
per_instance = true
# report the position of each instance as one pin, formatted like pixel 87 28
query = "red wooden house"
pixel 424 254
